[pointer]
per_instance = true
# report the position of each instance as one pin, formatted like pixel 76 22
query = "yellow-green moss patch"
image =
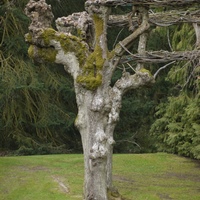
pixel 89 81
pixel 143 70
pixel 45 54
pixel 48 54
pixel 69 43
pixel 91 77
pixel 28 37
pixel 98 22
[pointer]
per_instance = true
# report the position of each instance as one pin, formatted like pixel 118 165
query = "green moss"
pixel 46 54
pixel 47 35
pixel 143 70
pixel 28 37
pixel 89 81
pixel 68 43
pixel 91 77
pixel 31 51
pixel 98 22
pixel 111 54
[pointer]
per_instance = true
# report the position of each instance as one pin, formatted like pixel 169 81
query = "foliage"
pixel 177 126
pixel 132 133
pixel 34 117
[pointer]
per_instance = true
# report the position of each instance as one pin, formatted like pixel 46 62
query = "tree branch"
pixel 127 42
pixel 159 19
pixel 48 45
pixel 161 68
pixel 161 56
pixel 158 3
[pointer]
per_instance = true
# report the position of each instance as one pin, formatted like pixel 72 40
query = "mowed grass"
pixel 137 176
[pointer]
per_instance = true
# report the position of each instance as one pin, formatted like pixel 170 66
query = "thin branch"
pixel 158 3
pixel 132 142
pixel 168 39
pixel 125 48
pixel 131 67
pixel 161 56
pixel 117 37
pixel 163 68
pixel 164 19
pixel 188 79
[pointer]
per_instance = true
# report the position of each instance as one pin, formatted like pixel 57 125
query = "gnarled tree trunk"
pixel 87 59
pixel 80 44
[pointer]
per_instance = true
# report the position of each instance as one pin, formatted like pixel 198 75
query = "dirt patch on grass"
pixel 164 196
pixel 61 183
pixel 183 176
pixel 122 179
pixel 33 169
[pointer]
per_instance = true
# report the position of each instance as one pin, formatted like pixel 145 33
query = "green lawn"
pixel 137 176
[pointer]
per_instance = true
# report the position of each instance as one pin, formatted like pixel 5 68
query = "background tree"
pixel 37 103
pixel 80 44
pixel 177 126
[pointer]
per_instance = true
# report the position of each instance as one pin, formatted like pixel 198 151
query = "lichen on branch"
pixel 91 77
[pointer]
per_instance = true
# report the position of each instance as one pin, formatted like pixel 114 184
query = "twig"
pixel 132 142
pixel 169 40
pixel 125 49
pixel 131 67
pixel 117 37
pixel 162 68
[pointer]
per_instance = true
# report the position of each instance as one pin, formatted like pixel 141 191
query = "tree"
pixel 37 103
pixel 80 44
pixel 177 126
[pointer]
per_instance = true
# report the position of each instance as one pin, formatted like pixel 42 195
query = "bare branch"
pixel 162 68
pixel 159 19
pixel 127 42
pixel 129 141
pixel 158 3
pixel 161 56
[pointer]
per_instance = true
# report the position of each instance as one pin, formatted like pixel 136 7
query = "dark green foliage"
pixel 177 127
pixel 62 8
pixel 37 102
pixel 132 132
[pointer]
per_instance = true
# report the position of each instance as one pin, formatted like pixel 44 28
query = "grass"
pixel 137 176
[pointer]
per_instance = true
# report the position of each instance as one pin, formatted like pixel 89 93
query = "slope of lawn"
pixel 137 176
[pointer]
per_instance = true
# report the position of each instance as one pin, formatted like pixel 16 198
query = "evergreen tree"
pixel 34 117
pixel 177 126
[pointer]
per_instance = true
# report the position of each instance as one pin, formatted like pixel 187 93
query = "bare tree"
pixel 80 44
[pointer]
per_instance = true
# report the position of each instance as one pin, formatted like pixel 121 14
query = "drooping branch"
pixel 161 56
pixel 167 18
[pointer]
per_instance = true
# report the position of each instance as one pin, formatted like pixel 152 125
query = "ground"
pixel 137 176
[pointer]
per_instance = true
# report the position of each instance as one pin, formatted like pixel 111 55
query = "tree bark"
pixel 197 32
